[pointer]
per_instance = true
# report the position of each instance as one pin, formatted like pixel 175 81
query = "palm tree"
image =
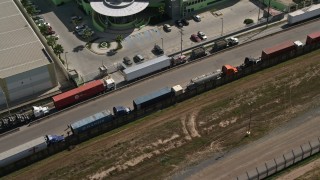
pixel 58 49
pixel 87 33
pixel 51 41
pixel 119 38
pixel 161 10
pixel 31 10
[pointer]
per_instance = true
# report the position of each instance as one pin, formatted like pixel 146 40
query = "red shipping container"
pixel 313 38
pixel 278 50
pixel 78 94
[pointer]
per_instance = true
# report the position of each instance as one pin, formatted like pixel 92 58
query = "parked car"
pixel 202 35
pixel 138 58
pixel 75 18
pixel 111 52
pixel 196 18
pixel 157 49
pixel 179 23
pixel 185 22
pixel 50 32
pixel 195 38
pixel 127 61
pixel 80 27
pixel 167 27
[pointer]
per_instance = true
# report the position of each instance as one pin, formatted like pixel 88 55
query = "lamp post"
pixel 5 97
pixel 221 26
pixel 268 13
pixel 249 126
pixel 259 10
pixel 65 56
pixel 162 44
pixel 181 30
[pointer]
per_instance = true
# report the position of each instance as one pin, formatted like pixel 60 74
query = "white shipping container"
pixel 147 67
pixel 22 151
pixel 304 14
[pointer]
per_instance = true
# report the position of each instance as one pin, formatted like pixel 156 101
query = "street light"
pixel 65 56
pixel 222 26
pixel 249 128
pixel 162 44
pixel 268 13
pixel 5 97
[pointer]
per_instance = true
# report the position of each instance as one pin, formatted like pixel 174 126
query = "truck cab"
pixel 121 111
pixel 109 84
pixel 39 111
pixel 52 139
pixel 232 41
pixel 228 70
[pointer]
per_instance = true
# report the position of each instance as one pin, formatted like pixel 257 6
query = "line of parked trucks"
pixel 143 102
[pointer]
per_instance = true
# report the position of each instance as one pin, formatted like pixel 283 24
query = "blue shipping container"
pixel 91 121
pixel 152 98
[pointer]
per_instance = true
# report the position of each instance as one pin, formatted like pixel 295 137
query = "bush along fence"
pixel 278 164
pixel 75 139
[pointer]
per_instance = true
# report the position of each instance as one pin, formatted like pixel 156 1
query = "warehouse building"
pixel 25 68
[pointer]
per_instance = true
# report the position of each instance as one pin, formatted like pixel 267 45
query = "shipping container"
pixel 152 98
pixel 284 48
pixel 78 94
pixel 304 14
pixel 91 122
pixel 313 38
pixel 22 151
pixel 146 68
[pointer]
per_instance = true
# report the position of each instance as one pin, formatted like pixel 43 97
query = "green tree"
pixel 31 10
pixel 161 10
pixel 58 50
pixel 51 41
pixel 119 38
pixel 43 29
pixel 87 33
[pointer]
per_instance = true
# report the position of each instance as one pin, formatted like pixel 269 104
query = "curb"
pixel 9 132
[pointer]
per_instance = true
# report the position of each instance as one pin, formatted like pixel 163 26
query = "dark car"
pixel 185 22
pixel 179 23
pixel 111 52
pixel 127 61
pixel 50 32
pixel 195 38
pixel 138 58
pixel 157 49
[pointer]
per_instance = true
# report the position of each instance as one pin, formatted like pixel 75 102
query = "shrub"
pixel 248 21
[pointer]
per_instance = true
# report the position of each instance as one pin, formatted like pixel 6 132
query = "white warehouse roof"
pixel 20 48
pixel 119 8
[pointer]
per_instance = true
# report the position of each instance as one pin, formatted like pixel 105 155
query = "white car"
pixel 197 18
pixel 202 35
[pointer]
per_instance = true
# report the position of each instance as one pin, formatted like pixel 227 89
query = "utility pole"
pixel 65 56
pixel 268 13
pixel 5 98
pixel 259 7
pixel 249 126
pixel 181 32
pixel 221 26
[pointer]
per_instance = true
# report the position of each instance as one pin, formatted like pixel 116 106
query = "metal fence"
pixel 280 163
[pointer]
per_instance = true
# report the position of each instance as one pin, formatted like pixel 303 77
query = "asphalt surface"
pixel 182 75
pixel 299 131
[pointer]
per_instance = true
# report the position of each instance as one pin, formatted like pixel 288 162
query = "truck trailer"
pixel 198 52
pixel 304 14
pixel 152 98
pixel 27 149
pixel 278 50
pixel 91 122
pixel 197 81
pixel 313 38
pixel 148 67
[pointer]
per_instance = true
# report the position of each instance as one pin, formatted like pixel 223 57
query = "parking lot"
pixel 229 18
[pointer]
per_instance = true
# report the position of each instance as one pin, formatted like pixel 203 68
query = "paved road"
pixel 298 132
pixel 58 123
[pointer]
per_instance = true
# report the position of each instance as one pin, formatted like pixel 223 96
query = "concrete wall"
pixel 29 83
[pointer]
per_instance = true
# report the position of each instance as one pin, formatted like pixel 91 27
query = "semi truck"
pixel 148 67
pixel 224 43
pixel 178 59
pixel 27 149
pixel 228 70
pixel 121 111
pixel 198 52
pixel 152 98
pixel 40 111
pixel 197 81
pixel 303 14
pixel 95 120
pixel 83 92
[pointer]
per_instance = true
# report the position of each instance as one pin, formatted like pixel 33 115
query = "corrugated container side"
pixel 146 68
pixel 78 94
pixel 152 98
pixel 91 121
pixel 277 50
pixel 22 151
pixel 306 13
pixel 313 38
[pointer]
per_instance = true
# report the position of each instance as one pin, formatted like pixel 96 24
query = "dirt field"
pixel 168 141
